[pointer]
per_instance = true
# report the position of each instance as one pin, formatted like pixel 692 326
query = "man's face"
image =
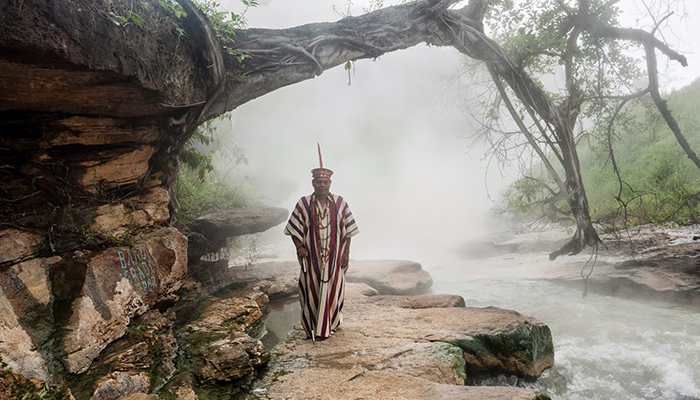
pixel 321 186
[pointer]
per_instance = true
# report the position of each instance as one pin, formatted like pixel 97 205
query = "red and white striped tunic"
pixel 324 232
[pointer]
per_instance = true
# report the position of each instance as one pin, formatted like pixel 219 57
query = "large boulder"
pixel 385 346
pixel 86 300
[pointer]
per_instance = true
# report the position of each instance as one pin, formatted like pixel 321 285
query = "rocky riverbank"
pixel 648 262
pixel 407 346
pixel 410 347
pixel 203 340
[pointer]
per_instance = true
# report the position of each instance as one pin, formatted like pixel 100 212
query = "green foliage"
pixel 533 198
pixel 121 20
pixel 192 157
pixel 40 395
pixel 225 23
pixel 212 181
pixel 658 184
pixel 197 197
pixel 173 7
pixel 137 329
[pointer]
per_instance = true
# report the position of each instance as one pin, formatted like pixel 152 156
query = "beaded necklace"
pixel 323 221
pixel 322 242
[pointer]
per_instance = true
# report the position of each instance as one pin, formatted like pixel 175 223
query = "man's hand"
pixel 302 252
pixel 345 260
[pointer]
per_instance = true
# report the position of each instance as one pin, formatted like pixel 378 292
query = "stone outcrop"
pixel 16 386
pixel 387 346
pixel 220 341
pixel 85 299
pixel 141 361
pixel 210 232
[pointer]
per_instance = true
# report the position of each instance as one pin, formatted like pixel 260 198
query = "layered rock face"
pixel 58 313
pixel 87 148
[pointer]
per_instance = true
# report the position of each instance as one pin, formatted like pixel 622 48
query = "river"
pixel 606 348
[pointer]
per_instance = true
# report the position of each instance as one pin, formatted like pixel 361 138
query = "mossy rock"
pixel 455 357
pixel 524 352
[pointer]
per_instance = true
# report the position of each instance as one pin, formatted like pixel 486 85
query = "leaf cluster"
pixel 225 23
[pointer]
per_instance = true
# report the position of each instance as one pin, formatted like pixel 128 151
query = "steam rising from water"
pixel 396 140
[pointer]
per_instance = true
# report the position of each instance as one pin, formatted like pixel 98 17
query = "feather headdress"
pixel 321 172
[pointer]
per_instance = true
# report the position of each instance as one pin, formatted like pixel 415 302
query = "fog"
pixel 397 141
pixel 397 138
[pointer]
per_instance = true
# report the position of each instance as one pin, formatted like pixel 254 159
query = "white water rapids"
pixel 605 347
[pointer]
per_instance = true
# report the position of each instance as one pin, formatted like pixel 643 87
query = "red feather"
pixel 320 160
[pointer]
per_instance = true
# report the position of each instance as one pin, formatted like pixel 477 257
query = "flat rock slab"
pixel 240 221
pixel 387 349
pixel 356 384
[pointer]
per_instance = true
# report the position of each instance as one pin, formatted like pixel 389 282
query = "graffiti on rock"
pixel 136 265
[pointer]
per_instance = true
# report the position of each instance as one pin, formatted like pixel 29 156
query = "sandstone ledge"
pixel 387 349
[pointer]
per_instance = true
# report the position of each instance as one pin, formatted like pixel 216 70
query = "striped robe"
pixel 321 285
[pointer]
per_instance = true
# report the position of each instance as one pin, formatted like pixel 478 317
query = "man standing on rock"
pixel 321 226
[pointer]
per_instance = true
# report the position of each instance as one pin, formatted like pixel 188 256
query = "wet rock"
pixel 416 302
pixel 410 353
pixel 139 362
pixel 217 338
pixel 495 341
pixel 648 264
pixel 15 386
pixel 121 384
pixel 357 383
pixel 230 358
pixel 241 310
pixel 391 276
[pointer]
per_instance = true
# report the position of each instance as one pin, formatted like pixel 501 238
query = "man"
pixel 321 226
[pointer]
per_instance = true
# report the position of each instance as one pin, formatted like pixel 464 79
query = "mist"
pixel 398 140
pixel 397 135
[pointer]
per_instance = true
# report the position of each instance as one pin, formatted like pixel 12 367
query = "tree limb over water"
pixel 222 72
